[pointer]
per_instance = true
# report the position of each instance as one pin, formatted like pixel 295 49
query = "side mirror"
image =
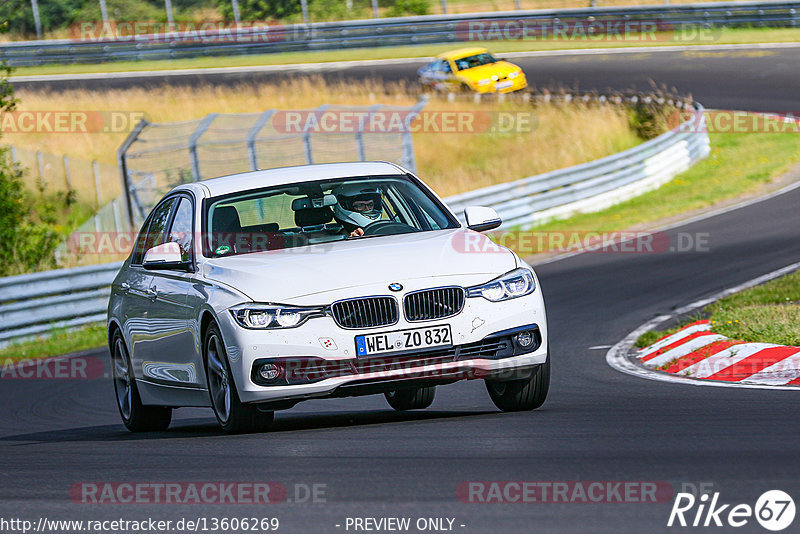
pixel 165 256
pixel 481 219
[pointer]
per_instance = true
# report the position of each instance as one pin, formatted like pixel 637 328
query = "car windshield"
pixel 477 60
pixel 311 213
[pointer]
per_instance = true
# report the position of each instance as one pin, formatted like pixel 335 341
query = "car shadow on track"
pixel 207 427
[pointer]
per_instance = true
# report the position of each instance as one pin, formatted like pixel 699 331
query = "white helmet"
pixel 358 204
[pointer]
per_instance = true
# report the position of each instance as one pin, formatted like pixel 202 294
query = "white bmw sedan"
pixel 250 293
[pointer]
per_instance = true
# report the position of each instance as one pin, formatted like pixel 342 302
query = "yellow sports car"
pixel 473 69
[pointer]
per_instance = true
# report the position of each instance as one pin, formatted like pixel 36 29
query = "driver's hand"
pixel 358 232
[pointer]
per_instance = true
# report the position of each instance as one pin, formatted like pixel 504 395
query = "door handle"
pixel 152 292
pixel 125 286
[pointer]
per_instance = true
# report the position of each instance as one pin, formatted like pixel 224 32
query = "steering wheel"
pixel 387 228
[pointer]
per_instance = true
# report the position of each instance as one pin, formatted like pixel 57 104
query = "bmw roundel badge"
pixel 396 286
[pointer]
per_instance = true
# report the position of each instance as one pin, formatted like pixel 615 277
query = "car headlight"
pixel 514 74
pixel 516 283
pixel 485 81
pixel 267 316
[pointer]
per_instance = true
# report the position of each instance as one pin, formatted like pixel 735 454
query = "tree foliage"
pixel 28 236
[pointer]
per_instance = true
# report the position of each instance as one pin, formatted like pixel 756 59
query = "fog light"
pixel 524 339
pixel 270 371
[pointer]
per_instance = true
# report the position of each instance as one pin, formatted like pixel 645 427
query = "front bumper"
pixel 332 351
pixel 517 84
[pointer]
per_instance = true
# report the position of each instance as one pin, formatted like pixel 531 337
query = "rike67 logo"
pixel 774 510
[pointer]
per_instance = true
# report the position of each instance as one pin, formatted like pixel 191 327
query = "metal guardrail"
pixel 594 185
pixel 392 32
pixel 33 304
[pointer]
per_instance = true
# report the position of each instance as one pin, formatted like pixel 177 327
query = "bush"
pixel 52 13
pixel 28 235
pixel 260 10
pixel 648 121
pixel 59 14
pixel 410 7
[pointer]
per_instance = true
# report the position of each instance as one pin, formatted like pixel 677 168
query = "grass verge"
pixel 769 313
pixel 738 164
pixel 58 341
pixel 712 37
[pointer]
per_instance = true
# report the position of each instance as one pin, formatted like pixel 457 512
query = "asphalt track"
pixel 597 425
pixel 761 79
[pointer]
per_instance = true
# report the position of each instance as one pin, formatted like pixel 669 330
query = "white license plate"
pixel 403 340
pixel 503 85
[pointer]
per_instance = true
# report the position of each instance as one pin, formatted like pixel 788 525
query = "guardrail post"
pixel 122 163
pixel 201 129
pixel 236 16
pixel 96 175
pixel 14 159
pixel 444 6
pixel 409 161
pixel 375 8
pixel 304 8
pixel 37 22
pixel 115 210
pixel 251 137
pixel 362 155
pixel 307 136
pixel 40 164
pixel 66 173
pixel 168 7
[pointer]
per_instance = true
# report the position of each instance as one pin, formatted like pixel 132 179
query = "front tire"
pixel 411 399
pixel 522 395
pixel 135 416
pixel 233 416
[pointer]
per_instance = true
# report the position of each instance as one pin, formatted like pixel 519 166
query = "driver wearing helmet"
pixel 358 206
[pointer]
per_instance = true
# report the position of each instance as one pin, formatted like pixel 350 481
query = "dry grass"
pixel 450 162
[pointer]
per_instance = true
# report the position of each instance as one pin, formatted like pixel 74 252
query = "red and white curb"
pixel 694 351
pixel 696 356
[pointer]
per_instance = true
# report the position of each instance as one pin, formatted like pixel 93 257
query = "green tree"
pixel 27 236
pixel 260 10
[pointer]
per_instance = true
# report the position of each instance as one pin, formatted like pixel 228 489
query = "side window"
pixel 155 231
pixel 181 230
pixel 446 67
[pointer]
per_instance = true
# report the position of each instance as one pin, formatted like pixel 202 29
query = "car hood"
pixel 283 276
pixel 499 69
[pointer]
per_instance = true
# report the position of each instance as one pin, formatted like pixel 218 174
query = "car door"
pixel 136 287
pixel 440 74
pixel 169 358
pixel 449 77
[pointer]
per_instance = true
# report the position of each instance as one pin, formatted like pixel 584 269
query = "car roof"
pixel 461 52
pixel 290 175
